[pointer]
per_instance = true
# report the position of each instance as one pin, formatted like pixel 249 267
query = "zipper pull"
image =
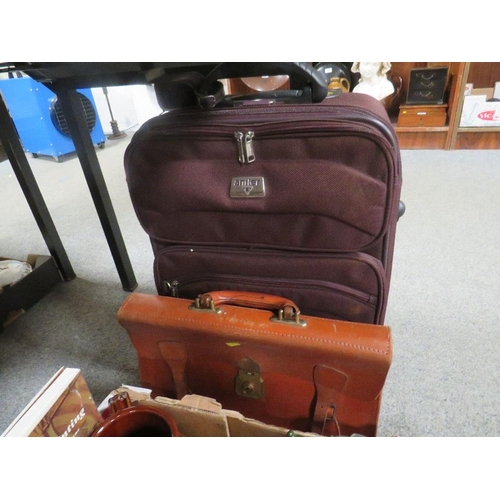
pixel 250 155
pixel 241 147
pixel 171 287
pixel 245 146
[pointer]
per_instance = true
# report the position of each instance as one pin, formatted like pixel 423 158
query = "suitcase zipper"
pixel 245 146
pixel 241 148
pixel 249 152
pixel 172 287
pixel 276 129
pixel 174 283
pixel 342 114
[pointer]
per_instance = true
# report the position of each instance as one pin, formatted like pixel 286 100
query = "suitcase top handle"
pixel 211 91
pixel 287 310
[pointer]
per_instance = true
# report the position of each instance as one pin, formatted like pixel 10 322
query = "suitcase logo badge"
pixel 248 187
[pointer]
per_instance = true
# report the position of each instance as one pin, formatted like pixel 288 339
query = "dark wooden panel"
pixel 421 140
pixel 484 74
pixel 478 140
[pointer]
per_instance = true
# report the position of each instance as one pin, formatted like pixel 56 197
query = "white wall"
pixel 131 106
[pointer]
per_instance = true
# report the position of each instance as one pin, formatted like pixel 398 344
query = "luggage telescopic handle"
pixel 288 312
pixel 210 90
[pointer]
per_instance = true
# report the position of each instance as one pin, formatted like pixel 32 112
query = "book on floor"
pixel 64 407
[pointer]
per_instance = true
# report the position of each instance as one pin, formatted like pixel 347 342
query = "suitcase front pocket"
pixel 247 183
pixel 314 297
pixel 345 287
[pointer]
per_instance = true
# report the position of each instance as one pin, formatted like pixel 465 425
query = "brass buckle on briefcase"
pixel 248 382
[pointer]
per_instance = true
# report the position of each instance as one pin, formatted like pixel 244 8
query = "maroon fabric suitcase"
pixel 293 199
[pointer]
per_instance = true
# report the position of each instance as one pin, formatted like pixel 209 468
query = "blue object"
pixel 39 120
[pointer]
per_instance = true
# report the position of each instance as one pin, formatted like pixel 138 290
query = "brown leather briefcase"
pixel 255 353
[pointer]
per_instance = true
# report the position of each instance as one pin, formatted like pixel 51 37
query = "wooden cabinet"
pixel 422 116
pixel 427 85
pixel 424 134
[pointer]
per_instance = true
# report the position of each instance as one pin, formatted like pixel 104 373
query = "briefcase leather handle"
pixel 287 309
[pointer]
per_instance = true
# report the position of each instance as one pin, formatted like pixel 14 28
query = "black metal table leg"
pixel 17 157
pixel 77 125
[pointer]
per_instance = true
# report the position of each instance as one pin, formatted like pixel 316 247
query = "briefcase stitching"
pixel 312 339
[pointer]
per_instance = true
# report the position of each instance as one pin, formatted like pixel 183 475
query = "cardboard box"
pixel 17 298
pixel 199 416
pixel 488 92
pixel 478 112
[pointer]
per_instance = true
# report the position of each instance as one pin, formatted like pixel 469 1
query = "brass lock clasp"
pixel 248 382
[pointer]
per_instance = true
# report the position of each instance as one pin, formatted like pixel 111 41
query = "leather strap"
pixel 327 382
pixel 175 354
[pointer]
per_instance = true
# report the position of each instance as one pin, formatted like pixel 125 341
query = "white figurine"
pixel 373 79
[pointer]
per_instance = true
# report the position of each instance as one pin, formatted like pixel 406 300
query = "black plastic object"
pixel 313 84
pixel 178 90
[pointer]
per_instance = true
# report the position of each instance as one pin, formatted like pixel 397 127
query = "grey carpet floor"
pixel 443 305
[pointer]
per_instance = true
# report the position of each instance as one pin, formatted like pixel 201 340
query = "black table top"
pixel 101 74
